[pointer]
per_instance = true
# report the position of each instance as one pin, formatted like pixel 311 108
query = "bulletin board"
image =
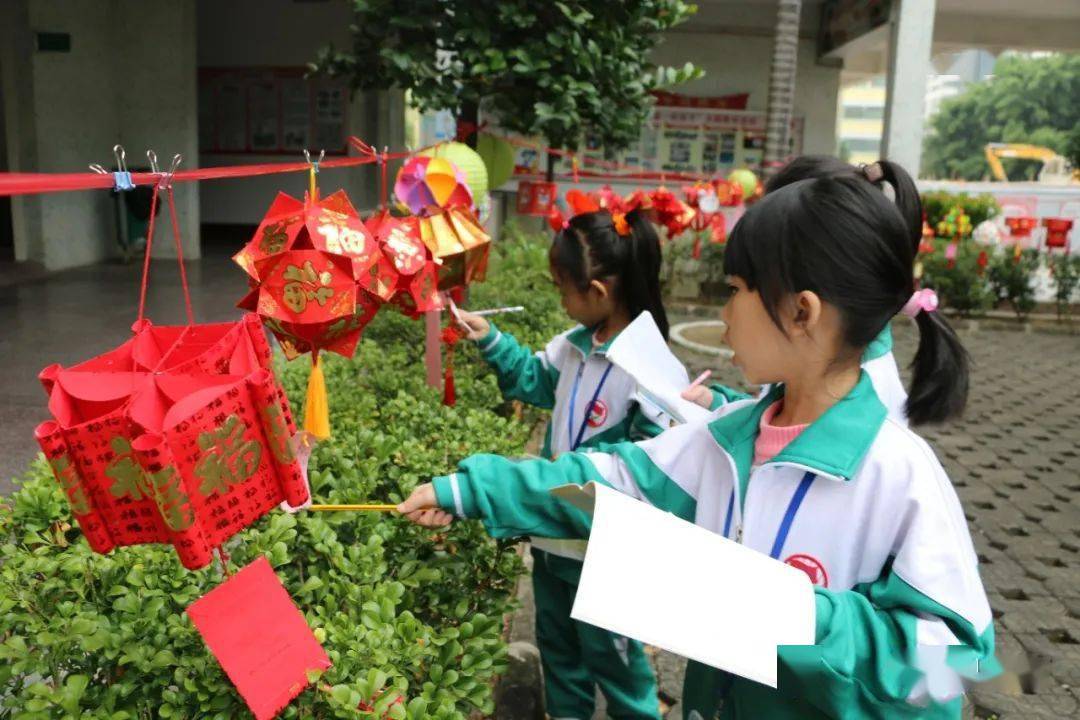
pixel 271 111
pixel 699 141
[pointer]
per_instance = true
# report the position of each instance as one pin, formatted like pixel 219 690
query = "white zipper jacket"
pixel 871 517
pixel 572 371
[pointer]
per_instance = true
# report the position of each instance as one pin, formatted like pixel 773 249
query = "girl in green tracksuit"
pixel 877 360
pixel 815 473
pixel 607 271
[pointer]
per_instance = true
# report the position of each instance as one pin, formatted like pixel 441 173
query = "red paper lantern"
pixel 535 198
pixel 401 244
pixel 180 435
pixel 671 212
pixel 317 274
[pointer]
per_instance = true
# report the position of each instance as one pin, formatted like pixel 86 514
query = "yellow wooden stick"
pixel 370 508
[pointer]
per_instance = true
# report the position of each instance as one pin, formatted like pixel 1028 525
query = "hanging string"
pixel 146 255
pixel 180 255
pixel 384 161
pixel 223 558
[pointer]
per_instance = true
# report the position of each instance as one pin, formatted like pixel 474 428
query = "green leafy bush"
pixel 937 204
pixel 1011 279
pixel 962 283
pixel 1066 272
pixel 411 619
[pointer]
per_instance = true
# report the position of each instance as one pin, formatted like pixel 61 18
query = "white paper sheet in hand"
pixel 650 576
pixel 659 375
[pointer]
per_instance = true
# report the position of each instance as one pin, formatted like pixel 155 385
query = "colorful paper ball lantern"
pixel 427 185
pixel 435 191
pixel 467 161
pixel 746 179
pixel 498 157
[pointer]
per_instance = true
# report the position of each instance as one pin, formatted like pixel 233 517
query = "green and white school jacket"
pixel 570 372
pixel 879 363
pixel 870 516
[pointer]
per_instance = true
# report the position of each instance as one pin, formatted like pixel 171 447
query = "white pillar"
pixel 910 38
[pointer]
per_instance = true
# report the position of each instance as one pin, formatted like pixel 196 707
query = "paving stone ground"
pixel 1015 461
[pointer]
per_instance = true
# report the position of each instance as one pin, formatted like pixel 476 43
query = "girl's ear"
pixel 807 306
pixel 600 288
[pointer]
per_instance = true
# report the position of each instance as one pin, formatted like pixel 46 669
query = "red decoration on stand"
pixel 535 198
pixel 1020 228
pixel 1057 232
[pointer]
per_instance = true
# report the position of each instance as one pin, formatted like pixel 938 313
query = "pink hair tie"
pixel 925 300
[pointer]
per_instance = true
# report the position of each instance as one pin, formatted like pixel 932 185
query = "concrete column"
pixel 154 63
pixel 16 55
pixel 785 62
pixel 911 34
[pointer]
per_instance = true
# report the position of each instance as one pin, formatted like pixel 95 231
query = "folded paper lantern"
pixel 746 179
pixel 498 157
pixel 317 274
pixel 535 198
pixel 434 189
pixel 671 212
pixel 728 193
pixel 399 238
pixel 179 435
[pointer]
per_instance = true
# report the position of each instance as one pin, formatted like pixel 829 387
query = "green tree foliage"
pixel 553 69
pixel 1029 100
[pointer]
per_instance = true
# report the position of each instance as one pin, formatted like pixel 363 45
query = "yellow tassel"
pixel 316 408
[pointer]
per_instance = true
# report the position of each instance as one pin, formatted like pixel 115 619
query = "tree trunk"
pixel 468 123
pixel 785 61
pixel 551 160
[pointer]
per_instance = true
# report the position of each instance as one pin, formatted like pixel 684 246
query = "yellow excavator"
pixel 1055 169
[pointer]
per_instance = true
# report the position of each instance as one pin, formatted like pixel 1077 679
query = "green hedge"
pixel 403 612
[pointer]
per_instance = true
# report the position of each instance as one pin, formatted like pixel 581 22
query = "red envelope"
pixel 265 647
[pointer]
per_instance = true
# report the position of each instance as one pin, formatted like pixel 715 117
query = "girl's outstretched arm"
pixel 513 497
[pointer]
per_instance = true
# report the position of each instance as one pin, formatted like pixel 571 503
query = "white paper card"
pixel 656 578
pixel 659 375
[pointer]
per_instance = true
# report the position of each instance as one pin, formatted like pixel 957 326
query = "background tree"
pixel 553 69
pixel 1029 100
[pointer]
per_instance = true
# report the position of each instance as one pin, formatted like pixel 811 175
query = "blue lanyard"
pixel 588 408
pixel 789 516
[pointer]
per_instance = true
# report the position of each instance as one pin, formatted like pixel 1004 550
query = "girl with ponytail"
pixel 814 473
pixel 877 360
pixel 607 270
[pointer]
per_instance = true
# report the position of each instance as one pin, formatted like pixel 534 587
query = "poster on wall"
pixel 693 140
pixel 268 111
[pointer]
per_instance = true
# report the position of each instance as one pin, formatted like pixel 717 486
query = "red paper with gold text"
pixel 265 647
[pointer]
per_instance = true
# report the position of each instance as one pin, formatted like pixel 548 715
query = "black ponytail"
pixel 939 372
pixel 839 236
pixel 905 193
pixel 591 248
